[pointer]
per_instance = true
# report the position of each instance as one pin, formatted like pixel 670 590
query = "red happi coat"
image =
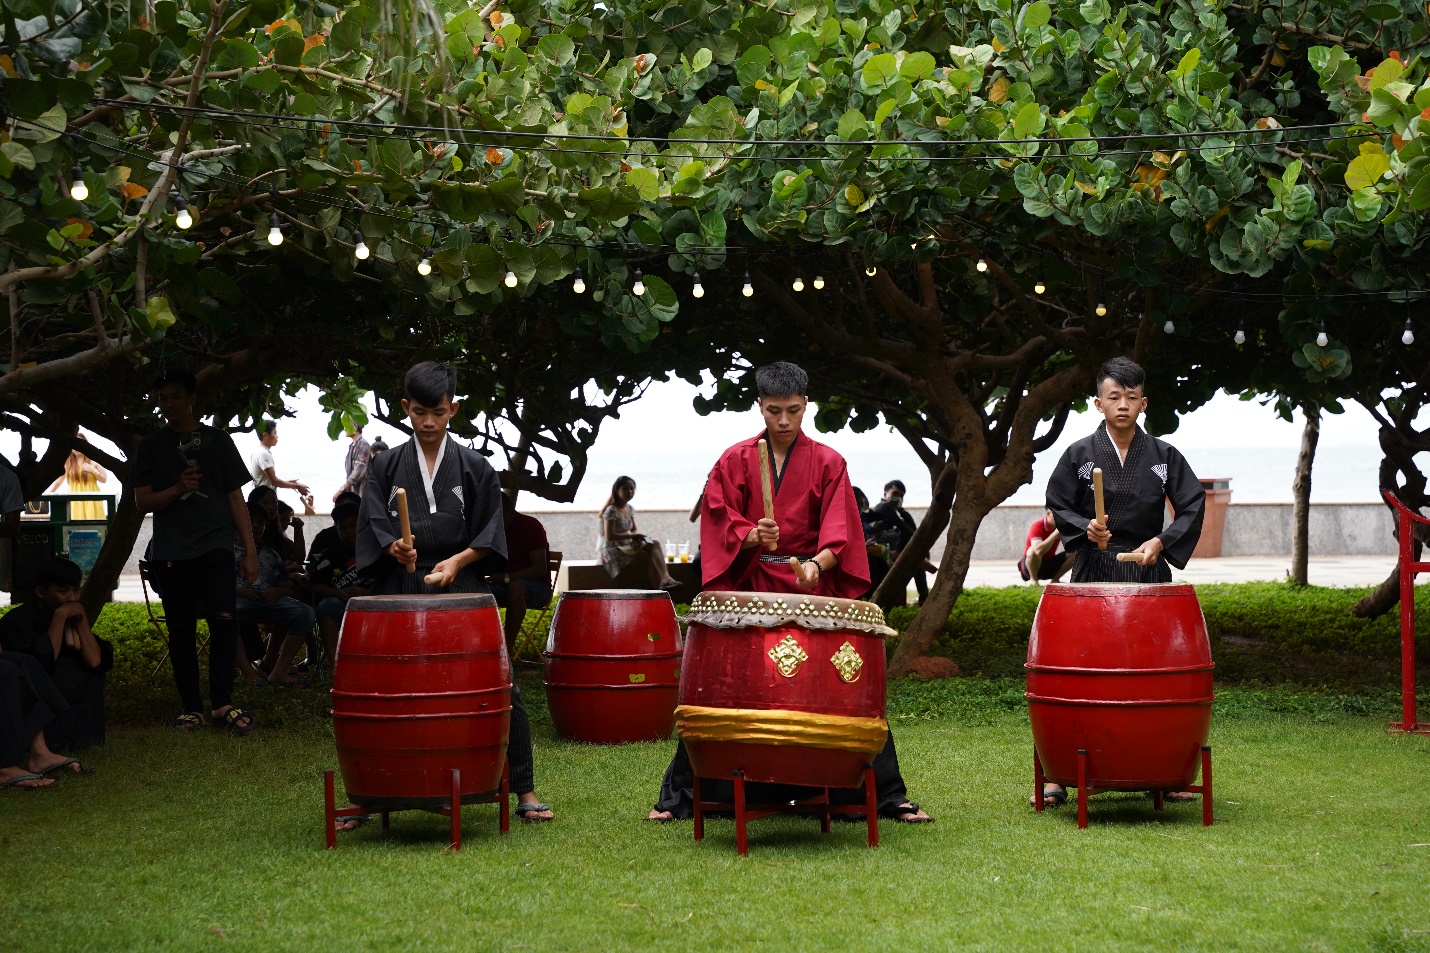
pixel 815 510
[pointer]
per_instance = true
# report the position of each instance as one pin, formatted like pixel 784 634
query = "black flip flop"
pixel 523 812
pixel 63 764
pixel 912 807
pixel 1060 797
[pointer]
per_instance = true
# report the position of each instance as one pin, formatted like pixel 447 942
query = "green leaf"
pixel 1037 15
pixel 644 181
pixel 1365 170
pixel 237 54
pixel 556 47
pixel 880 70
pixel 160 315
pixel 1028 122
pixel 266 81
pixel 917 66
pixel 886 107
pixel 18 155
pixel 701 59
pixel 1387 72
pixel 288 50
pixel 852 125
pixel 1420 194
pixel 346 36
pixel 1188 62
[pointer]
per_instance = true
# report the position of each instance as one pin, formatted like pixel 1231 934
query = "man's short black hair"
pixel 267 426
pixel 427 383
pixel 343 509
pixel 356 428
pixel 57 571
pixel 258 492
pixel 257 509
pixel 379 445
pixel 177 375
pixel 1125 371
pixel 347 496
pixel 284 509
pixel 896 485
pixel 782 379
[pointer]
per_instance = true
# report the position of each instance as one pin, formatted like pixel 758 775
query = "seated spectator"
pixel 1043 556
pixel 29 703
pixel 878 552
pixel 297 549
pixel 53 628
pixel 270 600
pixel 329 535
pixel 526 583
pixel 335 576
pixel 895 527
pixel 622 544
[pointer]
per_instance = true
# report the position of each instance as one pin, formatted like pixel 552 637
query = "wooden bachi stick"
pixel 1097 500
pixel 432 578
pixel 405 522
pixel 1129 557
pixel 767 486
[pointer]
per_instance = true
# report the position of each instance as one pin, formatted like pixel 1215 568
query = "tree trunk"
pixel 963 523
pixel 1301 495
pixel 893 589
pixel 118 544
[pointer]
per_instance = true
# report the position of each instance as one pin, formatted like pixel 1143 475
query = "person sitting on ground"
pixel 260 465
pixel 270 600
pixel 29 703
pixel 335 575
pixel 297 549
pixel 622 544
pixel 896 528
pixel 52 626
pixel 191 477
pixel 328 535
pixel 1043 556
pixel 526 581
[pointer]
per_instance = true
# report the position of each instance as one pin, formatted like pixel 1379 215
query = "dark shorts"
pixel 538 594
pixel 1050 568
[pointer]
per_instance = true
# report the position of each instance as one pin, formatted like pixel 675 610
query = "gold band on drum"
pixel 757 726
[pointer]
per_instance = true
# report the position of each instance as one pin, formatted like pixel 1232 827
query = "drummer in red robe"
pixel 817 522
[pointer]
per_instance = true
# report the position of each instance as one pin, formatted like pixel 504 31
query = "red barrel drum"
pixel 421 685
pixel 783 687
pixel 613 666
pixel 1125 672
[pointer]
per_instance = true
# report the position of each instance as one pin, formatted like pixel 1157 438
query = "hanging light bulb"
pixel 424 267
pixel 871 270
pixel 510 279
pixel 183 219
pixel 798 282
pixel 1039 287
pixel 1169 327
pixel 78 190
pixel 697 289
pixel 982 265
pixel 1101 309
pixel 1321 339
pixel 1408 338
pixel 275 230
pixel 361 251
pixel 1240 336
pixel 818 282
pixel 749 290
pixel 578 284
pixel 638 288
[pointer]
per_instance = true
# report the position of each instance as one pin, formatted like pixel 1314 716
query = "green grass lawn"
pixel 208 842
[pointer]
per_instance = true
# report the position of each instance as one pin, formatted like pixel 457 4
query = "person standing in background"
pixel 355 466
pixel 260 465
pixel 83 476
pixel 12 501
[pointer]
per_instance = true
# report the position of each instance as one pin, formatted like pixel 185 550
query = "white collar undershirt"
pixel 428 477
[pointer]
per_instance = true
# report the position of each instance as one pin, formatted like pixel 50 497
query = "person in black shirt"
pixel 191 477
pixel 335 575
pixel 52 627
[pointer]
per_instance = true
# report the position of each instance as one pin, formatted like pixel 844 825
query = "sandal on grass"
pixel 231 718
pixel 1179 796
pixel 19 781
pixel 188 721
pixel 78 768
pixel 357 820
pixel 1059 798
pixel 526 813
pixel 909 807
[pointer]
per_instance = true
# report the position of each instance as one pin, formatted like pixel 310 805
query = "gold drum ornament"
pixel 848 662
pixel 788 656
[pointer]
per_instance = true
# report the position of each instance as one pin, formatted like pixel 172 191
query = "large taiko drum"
pixel 1123 671
pixel 421 685
pixel 783 687
pixel 613 666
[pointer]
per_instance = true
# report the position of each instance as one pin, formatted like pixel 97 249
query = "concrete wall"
pixel 1252 529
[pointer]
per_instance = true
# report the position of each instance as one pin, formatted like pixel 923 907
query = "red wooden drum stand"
pixel 788 689
pixel 1408 519
pixel 1120 691
pixel 421 707
pixel 613 666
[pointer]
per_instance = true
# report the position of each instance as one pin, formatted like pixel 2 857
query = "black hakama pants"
pixel 29 702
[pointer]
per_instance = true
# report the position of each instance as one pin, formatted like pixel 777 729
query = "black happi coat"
pixel 468 516
pixel 1135 492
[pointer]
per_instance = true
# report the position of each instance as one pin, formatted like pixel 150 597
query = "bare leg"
pixel 659 573
pixel 43 759
pixel 245 667
pixel 328 629
pixel 291 644
pixel 515 613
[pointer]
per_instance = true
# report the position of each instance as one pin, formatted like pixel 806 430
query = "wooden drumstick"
pixel 432 578
pixel 1097 501
pixel 767 486
pixel 405 522
pixel 1129 557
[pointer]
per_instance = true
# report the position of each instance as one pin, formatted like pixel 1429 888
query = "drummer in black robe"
pixel 1141 475
pixel 454 504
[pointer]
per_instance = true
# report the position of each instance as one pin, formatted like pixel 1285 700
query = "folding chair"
pixel 533 634
pixel 158 621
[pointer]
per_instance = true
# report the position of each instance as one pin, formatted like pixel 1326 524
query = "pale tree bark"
pixel 1301 497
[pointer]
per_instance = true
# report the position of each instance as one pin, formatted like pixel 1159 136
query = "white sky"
pixel 667 447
